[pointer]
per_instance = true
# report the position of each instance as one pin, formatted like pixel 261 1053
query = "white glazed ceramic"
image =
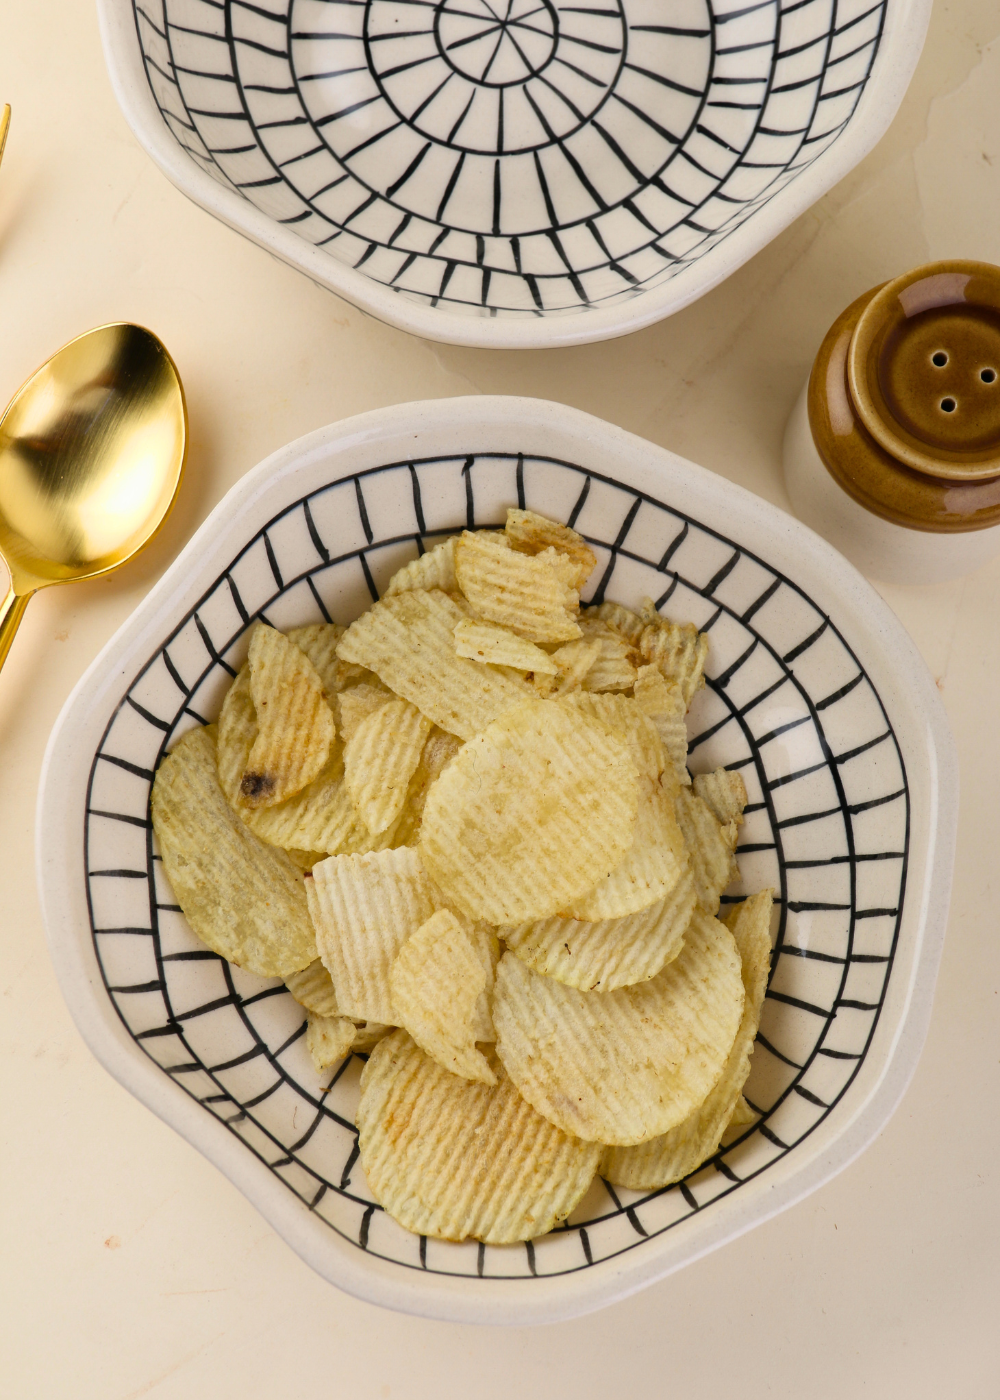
pixel 511 173
pixel 815 694
pixel 880 548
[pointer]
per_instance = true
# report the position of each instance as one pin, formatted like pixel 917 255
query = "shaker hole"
pixel 987 375
pixel 948 405
pixel 939 358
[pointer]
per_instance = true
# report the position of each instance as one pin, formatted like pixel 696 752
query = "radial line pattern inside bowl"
pixel 512 172
pixel 813 694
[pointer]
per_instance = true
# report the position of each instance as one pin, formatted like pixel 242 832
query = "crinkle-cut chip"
pixel 682 1150
pixel 452 1158
pixel 650 869
pixel 356 704
pixel 440 748
pixel 573 662
pixel 436 981
pixel 305 860
pixel 710 848
pixel 609 953
pixel 237 732
pixel 529 814
pixel 319 641
pixel 313 989
pixel 725 793
pixel 623 718
pixel 364 908
pixel 521 591
pixel 678 650
pixel 484 940
pixel 295 725
pixel 367 1036
pixel 302 822
pixel 664 705
pixel 498 646
pixel 380 758
pixel 741 1117
pixel 243 898
pixel 613 669
pixel 622 619
pixel 328 1039
pixel 621 1067
pixel 435 569
pixel 408 640
pixel 531 534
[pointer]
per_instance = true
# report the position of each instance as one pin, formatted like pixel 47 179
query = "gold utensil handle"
pixel 11 611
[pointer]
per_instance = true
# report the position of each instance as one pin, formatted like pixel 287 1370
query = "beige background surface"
pixel 131 1268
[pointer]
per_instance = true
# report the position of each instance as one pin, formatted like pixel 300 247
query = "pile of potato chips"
pixel 463 832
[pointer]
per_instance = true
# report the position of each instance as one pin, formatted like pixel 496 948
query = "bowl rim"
pixel 280 478
pixel 899 49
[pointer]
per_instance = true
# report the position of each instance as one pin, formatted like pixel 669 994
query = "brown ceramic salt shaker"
pixel 892 451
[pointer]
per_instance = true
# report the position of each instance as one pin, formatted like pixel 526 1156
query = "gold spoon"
pixel 91 452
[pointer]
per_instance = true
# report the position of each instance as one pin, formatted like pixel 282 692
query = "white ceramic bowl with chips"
pixel 815 693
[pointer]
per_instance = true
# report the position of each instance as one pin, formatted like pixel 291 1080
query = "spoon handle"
pixel 11 611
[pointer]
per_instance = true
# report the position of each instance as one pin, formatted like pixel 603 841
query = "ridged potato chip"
pixel 656 860
pixel 313 989
pixel 408 641
pixel 380 758
pixel 710 847
pixel 452 1158
pixel 524 592
pixel 328 1039
pixel 679 1152
pixel 678 650
pixel 664 704
pixel 244 899
pixel 725 793
pixel 622 619
pixel 498 646
pixel 364 907
pixel 319 641
pixel 486 946
pixel 435 569
pixel 531 534
pixel 295 725
pixel 357 703
pixel 440 748
pixel 614 667
pixel 435 983
pixel 574 662
pixel 237 732
pixel 367 1036
pixel 608 953
pixel 529 814
pixel 622 1067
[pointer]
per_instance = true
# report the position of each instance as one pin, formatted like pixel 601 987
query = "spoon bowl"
pixel 91 453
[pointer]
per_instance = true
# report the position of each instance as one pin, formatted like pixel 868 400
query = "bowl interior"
pixel 786 703
pixel 511 158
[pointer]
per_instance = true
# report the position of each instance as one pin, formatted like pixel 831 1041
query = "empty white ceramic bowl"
pixel 814 693
pixel 511 173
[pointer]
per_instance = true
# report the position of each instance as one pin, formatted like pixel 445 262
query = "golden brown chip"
pixel 295 725
pixel 435 982
pixel 408 640
pixel 664 704
pixel 679 1152
pixel 521 591
pixel 531 534
pixel 313 989
pixel 380 758
pixel 622 619
pixel 435 569
pixel 452 1158
pixel 678 650
pixel 621 1067
pixel 364 907
pixel 498 646
pixel 710 848
pixel 328 1039
pixel 608 953
pixel 243 898
pixel 529 814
